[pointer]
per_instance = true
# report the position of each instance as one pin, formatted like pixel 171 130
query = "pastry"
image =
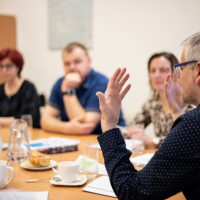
pixel 39 160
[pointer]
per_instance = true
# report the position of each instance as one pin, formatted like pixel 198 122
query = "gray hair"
pixel 192 45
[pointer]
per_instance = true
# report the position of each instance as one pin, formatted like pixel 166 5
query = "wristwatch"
pixel 70 92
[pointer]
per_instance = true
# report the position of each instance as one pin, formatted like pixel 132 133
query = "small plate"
pixel 80 180
pixel 52 164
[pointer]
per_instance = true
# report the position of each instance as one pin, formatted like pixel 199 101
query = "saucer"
pixel 52 164
pixel 80 180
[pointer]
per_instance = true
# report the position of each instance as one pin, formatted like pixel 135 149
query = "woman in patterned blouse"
pixel 156 109
pixel 17 95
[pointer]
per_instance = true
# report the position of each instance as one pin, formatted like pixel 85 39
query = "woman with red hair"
pixel 17 95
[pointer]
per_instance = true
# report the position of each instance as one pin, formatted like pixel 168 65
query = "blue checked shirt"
pixel 86 95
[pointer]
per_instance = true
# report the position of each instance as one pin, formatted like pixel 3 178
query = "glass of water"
pixel 138 138
pixel 18 147
pixel 90 158
pixel 29 120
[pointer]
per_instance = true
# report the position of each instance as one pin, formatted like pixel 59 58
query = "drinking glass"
pixel 90 158
pixel 18 147
pixel 138 138
pixel 29 120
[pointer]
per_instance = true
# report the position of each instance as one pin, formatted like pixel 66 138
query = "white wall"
pixel 125 34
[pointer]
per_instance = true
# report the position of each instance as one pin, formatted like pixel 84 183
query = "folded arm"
pixel 4 121
pixel 74 109
pixel 51 122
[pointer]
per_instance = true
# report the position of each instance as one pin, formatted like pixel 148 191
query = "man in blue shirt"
pixel 73 97
pixel 175 166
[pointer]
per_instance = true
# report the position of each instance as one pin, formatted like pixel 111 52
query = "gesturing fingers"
pixel 122 82
pixel 124 92
pixel 111 83
pixel 101 98
pixel 121 75
pixel 115 80
pixel 175 78
pixel 167 69
pixel 168 78
pixel 167 82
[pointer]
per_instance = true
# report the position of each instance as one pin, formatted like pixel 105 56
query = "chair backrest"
pixel 42 100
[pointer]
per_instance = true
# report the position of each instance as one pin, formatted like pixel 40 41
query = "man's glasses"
pixel 179 67
pixel 8 66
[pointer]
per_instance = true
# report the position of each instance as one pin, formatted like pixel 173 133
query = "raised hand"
pixel 173 94
pixel 110 102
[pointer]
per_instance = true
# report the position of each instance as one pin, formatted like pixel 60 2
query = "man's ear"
pixel 90 60
pixel 197 73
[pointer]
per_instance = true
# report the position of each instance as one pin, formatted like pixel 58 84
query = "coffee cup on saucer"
pixel 68 171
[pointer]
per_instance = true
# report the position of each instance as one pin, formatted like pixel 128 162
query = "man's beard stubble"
pixel 189 100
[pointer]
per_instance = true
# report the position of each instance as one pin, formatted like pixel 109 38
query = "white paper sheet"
pixel 142 160
pixel 38 195
pixel 44 195
pixel 100 186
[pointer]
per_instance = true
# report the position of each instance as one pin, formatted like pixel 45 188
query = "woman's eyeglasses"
pixel 8 66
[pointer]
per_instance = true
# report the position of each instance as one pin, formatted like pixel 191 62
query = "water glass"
pixel 138 138
pixel 29 120
pixel 18 147
pixel 90 158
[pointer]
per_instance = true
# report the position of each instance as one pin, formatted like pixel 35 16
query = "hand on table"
pixel 110 102
pixel 79 127
pixel 173 94
pixel 71 80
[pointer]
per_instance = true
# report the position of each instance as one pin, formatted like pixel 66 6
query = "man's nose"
pixel 72 66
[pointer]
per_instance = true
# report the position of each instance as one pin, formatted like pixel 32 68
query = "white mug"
pixel 68 171
pixel 4 173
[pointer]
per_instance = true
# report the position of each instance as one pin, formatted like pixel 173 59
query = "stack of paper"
pixel 100 186
pixel 52 142
pixel 142 160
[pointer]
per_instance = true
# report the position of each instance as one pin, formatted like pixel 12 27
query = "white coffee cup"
pixel 4 173
pixel 68 171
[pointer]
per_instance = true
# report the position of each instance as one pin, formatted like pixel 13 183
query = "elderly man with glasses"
pixel 175 166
